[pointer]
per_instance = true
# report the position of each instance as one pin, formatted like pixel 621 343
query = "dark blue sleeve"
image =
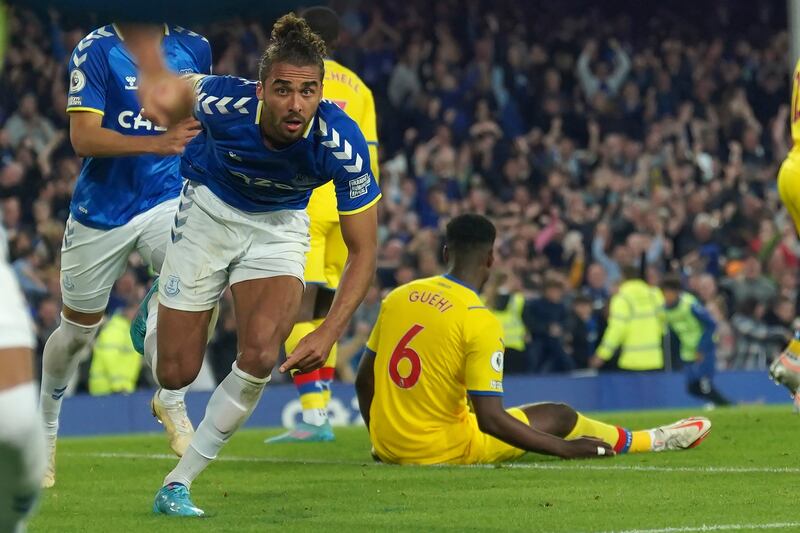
pixel 706 343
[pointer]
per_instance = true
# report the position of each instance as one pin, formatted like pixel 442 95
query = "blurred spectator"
pixel 635 326
pixel 115 363
pixel 27 124
pixel 583 331
pixel 546 320
pixel 502 294
pixel 756 342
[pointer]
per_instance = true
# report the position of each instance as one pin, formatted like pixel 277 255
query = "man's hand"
pixel 586 448
pixel 166 98
pixel 175 139
pixel 311 352
pixel 596 362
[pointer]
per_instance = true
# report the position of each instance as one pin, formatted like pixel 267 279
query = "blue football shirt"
pixel 112 190
pixel 230 158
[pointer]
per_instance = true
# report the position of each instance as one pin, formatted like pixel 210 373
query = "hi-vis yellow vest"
pixel 636 326
pixel 511 320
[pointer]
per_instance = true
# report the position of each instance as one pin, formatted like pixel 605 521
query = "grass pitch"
pixel 743 477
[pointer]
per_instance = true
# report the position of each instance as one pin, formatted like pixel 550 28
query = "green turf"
pixel 336 487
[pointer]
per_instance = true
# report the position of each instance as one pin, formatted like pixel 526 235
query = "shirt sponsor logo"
pixel 74 101
pixel 359 186
pixel 128 120
pixel 77 80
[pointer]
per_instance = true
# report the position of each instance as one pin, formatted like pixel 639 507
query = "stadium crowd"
pixel 592 138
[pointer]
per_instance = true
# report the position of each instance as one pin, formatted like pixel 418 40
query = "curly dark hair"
pixel 295 43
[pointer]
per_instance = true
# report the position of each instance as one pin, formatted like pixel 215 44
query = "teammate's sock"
pixel 228 408
pixel 621 439
pixel 22 455
pixel 62 354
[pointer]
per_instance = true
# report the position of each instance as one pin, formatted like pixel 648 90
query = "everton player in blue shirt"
pixel 124 200
pixel 241 221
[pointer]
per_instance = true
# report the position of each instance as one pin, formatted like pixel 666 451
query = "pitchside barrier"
pixel 90 415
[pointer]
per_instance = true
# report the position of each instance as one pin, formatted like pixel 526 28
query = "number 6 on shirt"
pixel 402 351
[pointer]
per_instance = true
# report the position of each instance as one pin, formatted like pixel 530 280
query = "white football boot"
pixel 681 435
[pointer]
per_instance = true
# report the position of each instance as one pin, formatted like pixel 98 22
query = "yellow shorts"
pixel 487 449
pixel 328 254
pixel 789 188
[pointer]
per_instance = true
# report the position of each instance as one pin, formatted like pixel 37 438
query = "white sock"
pixel 315 417
pixel 62 354
pixel 172 398
pixel 229 407
pixel 22 454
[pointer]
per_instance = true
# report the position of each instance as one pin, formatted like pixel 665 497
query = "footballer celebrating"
pixel 435 345
pixel 264 146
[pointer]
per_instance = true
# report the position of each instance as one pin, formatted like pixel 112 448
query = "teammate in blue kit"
pixel 241 221
pixel 124 201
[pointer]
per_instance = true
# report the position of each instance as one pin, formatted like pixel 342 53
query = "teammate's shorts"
pixel 213 244
pixel 328 254
pixel 16 329
pixel 93 259
pixel 481 448
pixel 789 188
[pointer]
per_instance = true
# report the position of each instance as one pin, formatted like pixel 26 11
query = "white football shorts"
pixel 213 245
pixel 93 259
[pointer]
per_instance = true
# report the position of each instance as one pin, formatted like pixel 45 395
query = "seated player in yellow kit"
pixel 325 261
pixel 435 345
pixel 785 369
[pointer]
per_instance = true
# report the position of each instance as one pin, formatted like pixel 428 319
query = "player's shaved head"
pixel 468 233
pixel 469 244
pixel 324 22
pixel 294 43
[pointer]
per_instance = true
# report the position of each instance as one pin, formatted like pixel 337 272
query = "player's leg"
pixel 563 421
pixel 91 261
pixel 700 379
pixel 168 406
pixel 265 311
pixel 22 449
pixel 785 369
pixel 310 386
pixel 263 256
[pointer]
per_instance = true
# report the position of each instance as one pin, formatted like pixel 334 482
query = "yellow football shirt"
pixel 795 112
pixel 342 86
pixel 434 342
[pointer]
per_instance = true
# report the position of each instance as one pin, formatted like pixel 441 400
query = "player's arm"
pixel 90 139
pixel 365 384
pixel 494 420
pixel 360 233
pixel 365 379
pixel 483 377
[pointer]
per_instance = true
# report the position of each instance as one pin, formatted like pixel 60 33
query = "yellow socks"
pixel 621 439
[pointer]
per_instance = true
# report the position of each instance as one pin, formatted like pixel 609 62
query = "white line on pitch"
pixel 715 527
pixel 523 466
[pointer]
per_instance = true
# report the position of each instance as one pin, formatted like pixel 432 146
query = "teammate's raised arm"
pixel 90 139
